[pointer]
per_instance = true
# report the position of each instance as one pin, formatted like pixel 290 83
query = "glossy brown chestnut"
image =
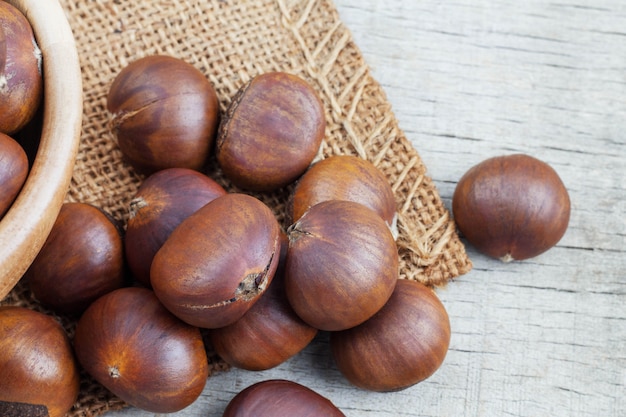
pixel 344 177
pixel 216 264
pixel 342 265
pixel 21 81
pixel 269 333
pixel 161 203
pixel 511 207
pixel 13 171
pixel 279 397
pixel 38 371
pixel 133 346
pixel 401 345
pixel 81 260
pixel 271 132
pixel 164 112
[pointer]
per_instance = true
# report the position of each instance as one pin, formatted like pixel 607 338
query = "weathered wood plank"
pixel 471 79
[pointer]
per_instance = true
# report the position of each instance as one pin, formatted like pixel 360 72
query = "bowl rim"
pixel 27 224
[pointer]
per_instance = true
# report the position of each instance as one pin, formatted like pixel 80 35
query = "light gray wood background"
pixel 470 79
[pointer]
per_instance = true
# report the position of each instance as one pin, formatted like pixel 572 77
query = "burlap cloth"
pixel 231 41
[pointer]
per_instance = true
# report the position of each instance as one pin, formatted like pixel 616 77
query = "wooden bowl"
pixel 26 225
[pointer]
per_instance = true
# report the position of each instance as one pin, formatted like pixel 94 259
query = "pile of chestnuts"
pixel 204 264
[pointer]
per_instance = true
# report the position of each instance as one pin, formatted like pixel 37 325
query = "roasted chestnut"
pixel 161 203
pixel 81 260
pixel 13 171
pixel 342 265
pixel 164 112
pixel 21 81
pixel 401 345
pixel 279 397
pixel 269 333
pixel 511 207
pixel 271 132
pixel 344 177
pixel 38 373
pixel 127 341
pixel 216 264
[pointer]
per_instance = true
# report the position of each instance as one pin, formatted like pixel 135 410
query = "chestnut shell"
pixel 279 397
pixel 133 346
pixel 344 177
pixel 164 113
pixel 161 203
pixel 271 132
pixel 37 364
pixel 81 260
pixel 401 345
pixel 511 207
pixel 21 81
pixel 342 265
pixel 217 262
pixel 269 333
pixel 13 171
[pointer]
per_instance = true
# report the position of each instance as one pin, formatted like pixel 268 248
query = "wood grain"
pixel 471 79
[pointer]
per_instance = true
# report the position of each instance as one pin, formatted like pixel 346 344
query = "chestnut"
pixel 216 264
pixel 13 171
pixel 161 203
pixel 81 260
pixel 342 265
pixel 280 397
pixel 511 207
pixel 401 345
pixel 38 372
pixel 127 341
pixel 164 113
pixel 21 81
pixel 269 333
pixel 271 132
pixel 344 177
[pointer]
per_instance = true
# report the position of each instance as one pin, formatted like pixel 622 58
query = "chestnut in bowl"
pixel 13 171
pixel 81 260
pixel 271 132
pixel 511 207
pixel 26 224
pixel 344 177
pixel 269 333
pixel 216 264
pixel 127 341
pixel 401 345
pixel 38 371
pixel 21 79
pixel 164 113
pixel 279 397
pixel 342 265
pixel 161 203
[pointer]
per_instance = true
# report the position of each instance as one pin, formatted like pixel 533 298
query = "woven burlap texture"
pixel 231 42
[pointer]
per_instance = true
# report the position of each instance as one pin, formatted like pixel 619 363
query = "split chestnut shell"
pixel 217 262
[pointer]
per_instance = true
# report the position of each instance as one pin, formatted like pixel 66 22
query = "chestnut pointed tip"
pixel 136 204
pixel 507 258
pixel 114 372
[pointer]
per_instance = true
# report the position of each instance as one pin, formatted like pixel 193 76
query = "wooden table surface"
pixel 470 79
